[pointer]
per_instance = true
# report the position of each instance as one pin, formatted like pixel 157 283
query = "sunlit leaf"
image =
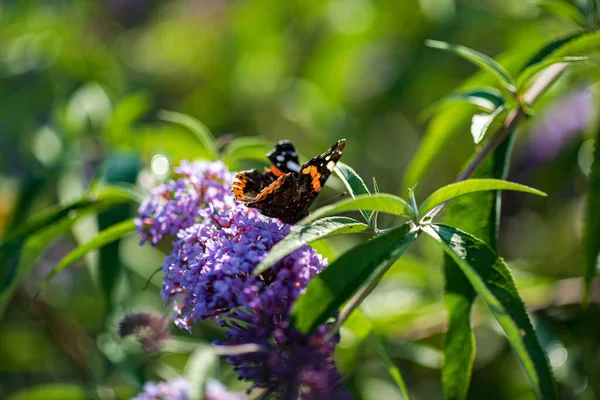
pixel 354 183
pixel 592 221
pixel 200 367
pixel 480 123
pixel 563 9
pixel 582 45
pixel 469 186
pixel 483 61
pixel 104 237
pixel 198 128
pixel 306 234
pixel 330 289
pixel 525 77
pixel 493 281
pixel 386 203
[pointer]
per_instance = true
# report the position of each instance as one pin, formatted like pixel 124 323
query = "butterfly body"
pixel 286 189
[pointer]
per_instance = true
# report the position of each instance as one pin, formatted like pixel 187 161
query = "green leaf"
pixel 19 257
pixel 582 45
pixel 480 123
pixel 198 128
pixel 592 222
pixel 104 197
pixel 119 168
pixel 306 234
pixel 12 246
pixel 354 183
pixel 486 99
pixel 375 343
pixel 485 62
pixel 493 281
pixel 245 149
pixel 525 77
pixel 453 190
pixel 53 391
pixel 384 202
pixel 330 289
pixel 563 9
pixel 477 214
pixel 103 238
pixel 201 365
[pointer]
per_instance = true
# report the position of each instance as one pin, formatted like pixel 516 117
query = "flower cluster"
pixel 179 389
pixel 175 389
pixel 174 205
pixel 209 275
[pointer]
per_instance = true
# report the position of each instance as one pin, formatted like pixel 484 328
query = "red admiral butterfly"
pixel 286 189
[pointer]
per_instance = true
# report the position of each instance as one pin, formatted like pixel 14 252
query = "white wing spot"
pixel 330 165
pixel 292 166
pixel 328 158
pixel 280 158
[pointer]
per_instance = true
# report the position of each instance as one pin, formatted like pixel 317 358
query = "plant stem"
pixel 547 77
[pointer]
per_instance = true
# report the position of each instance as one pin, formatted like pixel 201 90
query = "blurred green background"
pixel 81 83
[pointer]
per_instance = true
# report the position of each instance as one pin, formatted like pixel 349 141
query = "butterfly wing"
pixel 281 199
pixel 317 170
pixel 248 184
pixel 284 158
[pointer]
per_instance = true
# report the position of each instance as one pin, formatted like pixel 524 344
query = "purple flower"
pixel 175 389
pixel 209 275
pixel 560 122
pixel 215 390
pixel 174 206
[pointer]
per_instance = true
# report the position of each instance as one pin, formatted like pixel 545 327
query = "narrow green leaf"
pixel 384 202
pixel 486 99
pixel 11 247
pixel 493 281
pixel 20 256
pixel 245 149
pixel 198 128
pixel 477 214
pixel 582 45
pixel 354 183
pixel 103 238
pixel 470 186
pixel 330 289
pixel 564 10
pixel 592 221
pixel 375 343
pixel 201 366
pixel 53 391
pixel 375 186
pixel 480 123
pixel 483 61
pixel 105 197
pixel 525 77
pixel 306 234
pixel 118 168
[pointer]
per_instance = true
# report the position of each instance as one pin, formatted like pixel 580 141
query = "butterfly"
pixel 286 189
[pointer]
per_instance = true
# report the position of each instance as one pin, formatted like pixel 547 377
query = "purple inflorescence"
pixel 174 206
pixel 209 274
pixel 175 389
